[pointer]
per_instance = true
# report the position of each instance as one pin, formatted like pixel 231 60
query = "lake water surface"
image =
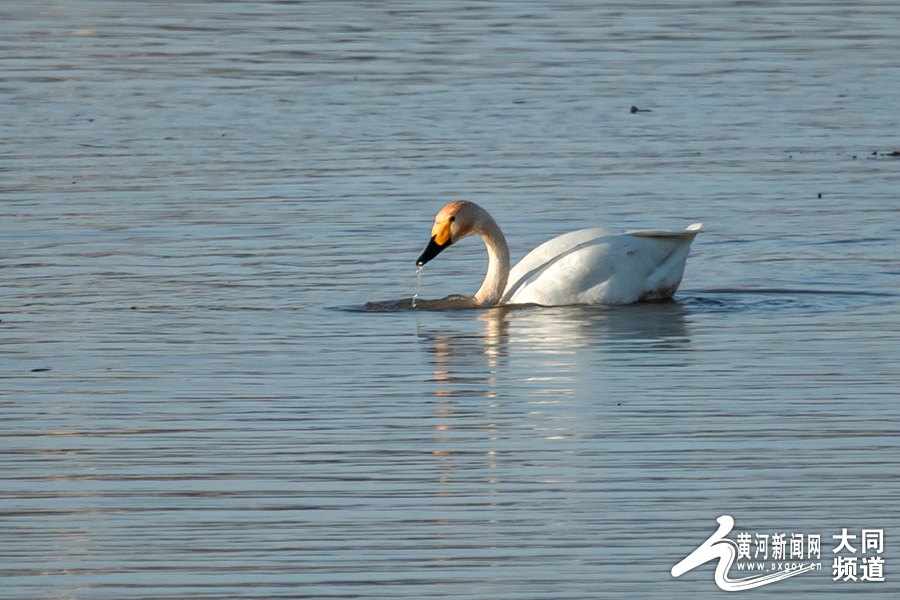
pixel 199 199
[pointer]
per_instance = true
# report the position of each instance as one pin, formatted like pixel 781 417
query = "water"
pixel 199 199
pixel 418 286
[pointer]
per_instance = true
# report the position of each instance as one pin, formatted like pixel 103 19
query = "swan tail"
pixel 665 279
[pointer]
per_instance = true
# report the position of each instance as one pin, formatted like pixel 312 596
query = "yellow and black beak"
pixel 440 239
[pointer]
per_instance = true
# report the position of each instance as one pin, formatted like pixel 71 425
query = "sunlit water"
pixel 200 199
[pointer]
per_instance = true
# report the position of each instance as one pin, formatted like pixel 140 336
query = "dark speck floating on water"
pixel 635 109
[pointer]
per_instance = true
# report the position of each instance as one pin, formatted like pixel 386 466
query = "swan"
pixel 589 266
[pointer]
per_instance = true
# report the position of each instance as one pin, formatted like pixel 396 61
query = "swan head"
pixel 454 222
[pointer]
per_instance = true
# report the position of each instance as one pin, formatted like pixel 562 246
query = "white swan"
pixel 590 266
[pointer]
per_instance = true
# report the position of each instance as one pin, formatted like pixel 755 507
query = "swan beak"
pixel 440 239
pixel 431 250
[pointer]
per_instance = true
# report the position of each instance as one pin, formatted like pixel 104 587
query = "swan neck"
pixel 494 284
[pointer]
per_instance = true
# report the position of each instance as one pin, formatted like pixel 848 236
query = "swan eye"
pixel 453 218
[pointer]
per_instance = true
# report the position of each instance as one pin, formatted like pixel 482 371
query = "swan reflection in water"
pixel 506 378
pixel 466 364
pixel 517 357
pixel 597 331
pixel 472 357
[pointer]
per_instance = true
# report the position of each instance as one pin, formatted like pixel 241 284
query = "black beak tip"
pixel 432 250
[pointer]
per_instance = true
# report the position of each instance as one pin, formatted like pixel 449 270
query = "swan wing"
pixel 600 266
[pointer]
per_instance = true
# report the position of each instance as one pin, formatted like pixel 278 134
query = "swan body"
pixel 590 266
